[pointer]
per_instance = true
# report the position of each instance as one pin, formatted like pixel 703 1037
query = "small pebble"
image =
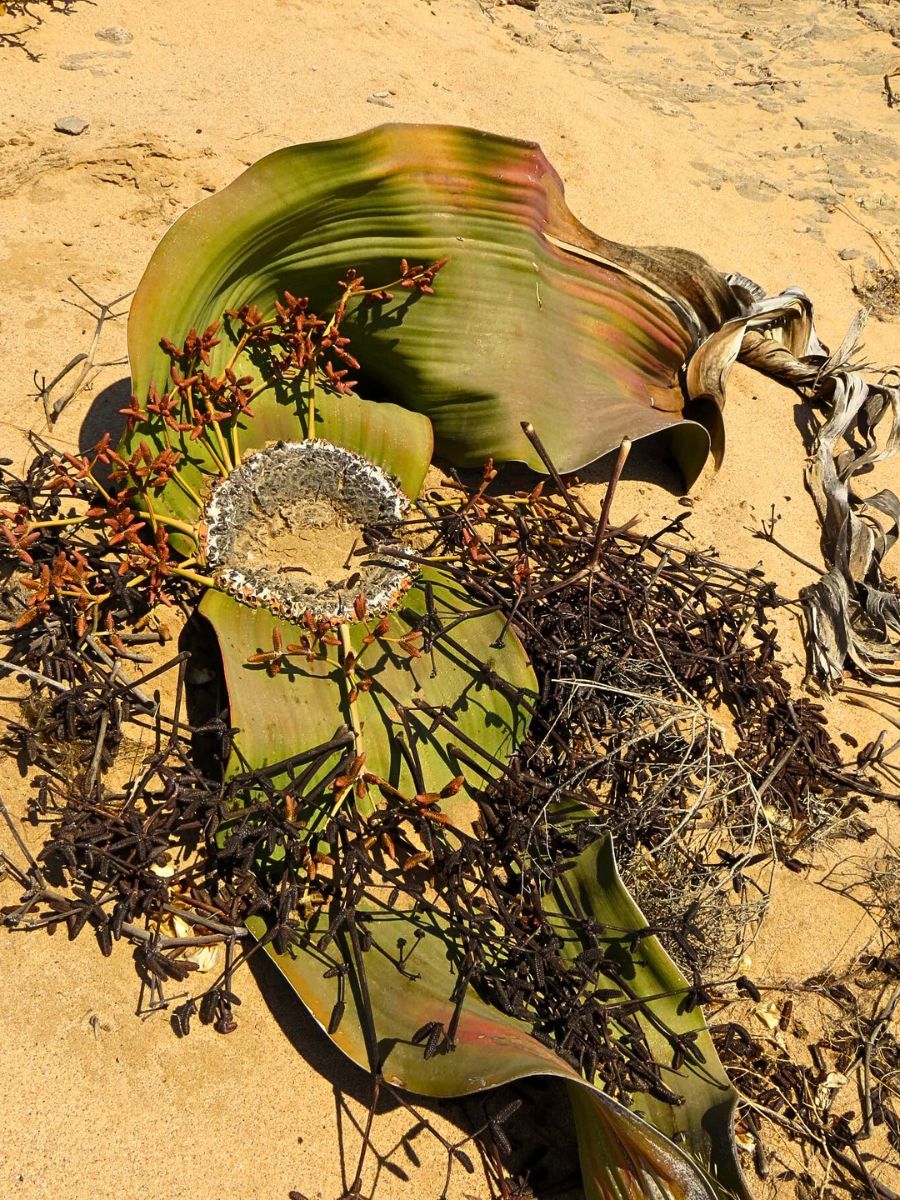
pixel 849 252
pixel 380 98
pixel 115 33
pixel 71 125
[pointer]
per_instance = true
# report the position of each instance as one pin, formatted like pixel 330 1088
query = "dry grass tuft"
pixel 879 290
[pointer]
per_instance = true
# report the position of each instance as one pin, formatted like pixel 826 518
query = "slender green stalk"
pixel 235 446
pixel 311 408
pixel 352 705
pixel 176 474
pixel 56 523
pixel 99 486
pixel 224 458
pixel 186 488
pixel 194 576
pixel 151 511
pixel 238 350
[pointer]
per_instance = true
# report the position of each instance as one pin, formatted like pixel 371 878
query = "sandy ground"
pixel 758 134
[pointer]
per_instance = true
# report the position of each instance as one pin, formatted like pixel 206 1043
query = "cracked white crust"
pixel 282 477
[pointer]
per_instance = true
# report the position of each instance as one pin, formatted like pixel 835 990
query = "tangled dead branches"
pixel 663 716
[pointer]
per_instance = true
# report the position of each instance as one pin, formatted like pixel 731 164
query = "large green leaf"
pixel 466 674
pixel 625 1154
pixel 702 1124
pixel 536 318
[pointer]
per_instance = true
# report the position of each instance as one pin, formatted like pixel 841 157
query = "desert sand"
pixel 757 134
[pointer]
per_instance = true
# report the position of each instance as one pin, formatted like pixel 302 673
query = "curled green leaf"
pixel 409 980
pixel 535 317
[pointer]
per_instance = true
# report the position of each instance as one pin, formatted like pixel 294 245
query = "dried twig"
pixel 89 368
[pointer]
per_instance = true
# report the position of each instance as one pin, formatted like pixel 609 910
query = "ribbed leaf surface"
pixel 467 676
pixel 535 317
pixel 623 1156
